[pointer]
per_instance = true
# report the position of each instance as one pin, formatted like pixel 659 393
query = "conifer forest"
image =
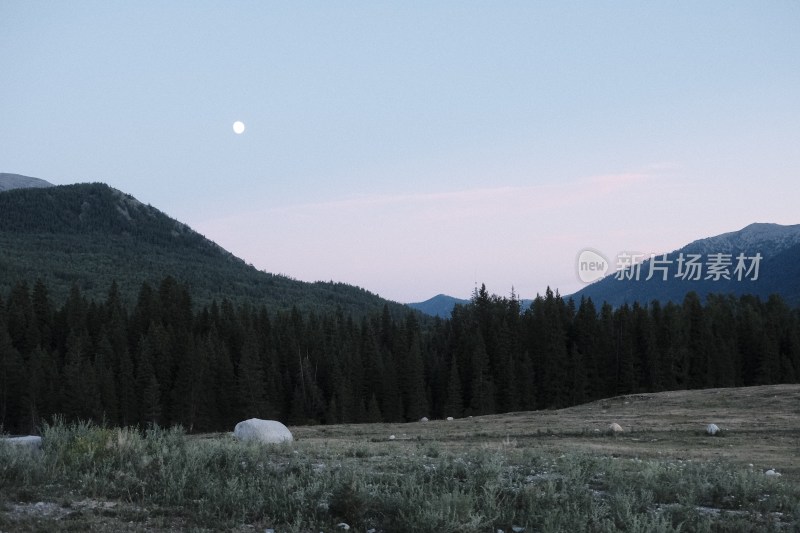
pixel 167 361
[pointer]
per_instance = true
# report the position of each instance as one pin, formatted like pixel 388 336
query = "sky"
pixel 415 148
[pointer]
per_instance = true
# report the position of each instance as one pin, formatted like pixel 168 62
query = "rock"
pixel 423 419
pixel 615 428
pixel 265 431
pixel 32 442
pixel 391 437
pixel 772 473
pixel 449 418
pixel 712 429
pixel 342 525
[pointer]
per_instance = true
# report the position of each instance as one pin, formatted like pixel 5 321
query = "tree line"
pixel 165 361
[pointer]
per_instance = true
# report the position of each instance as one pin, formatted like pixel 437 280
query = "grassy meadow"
pixel 545 471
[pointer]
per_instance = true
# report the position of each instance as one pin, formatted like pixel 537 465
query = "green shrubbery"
pixel 220 483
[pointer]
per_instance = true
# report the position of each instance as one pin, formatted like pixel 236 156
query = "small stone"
pixel 391 437
pixel 772 473
pixel 423 419
pixel 615 428
pixel 449 418
pixel 342 525
pixel 712 429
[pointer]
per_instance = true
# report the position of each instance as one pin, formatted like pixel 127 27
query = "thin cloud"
pixel 524 236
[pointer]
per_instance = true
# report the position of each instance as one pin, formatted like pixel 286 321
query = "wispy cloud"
pixel 521 235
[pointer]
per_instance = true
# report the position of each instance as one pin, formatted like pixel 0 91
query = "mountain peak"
pixel 769 238
pixel 17 181
pixel 776 246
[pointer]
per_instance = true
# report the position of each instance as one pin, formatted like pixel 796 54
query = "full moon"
pixel 238 127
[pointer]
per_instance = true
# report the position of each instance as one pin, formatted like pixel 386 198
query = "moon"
pixel 238 127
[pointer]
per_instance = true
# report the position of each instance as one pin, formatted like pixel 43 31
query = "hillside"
pixel 778 270
pixel 760 426
pixel 440 305
pixel 92 234
pixel 15 181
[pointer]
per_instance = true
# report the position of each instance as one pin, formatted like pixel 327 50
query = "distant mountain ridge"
pixel 766 238
pixel 442 305
pixel 92 234
pixel 16 181
pixel 778 269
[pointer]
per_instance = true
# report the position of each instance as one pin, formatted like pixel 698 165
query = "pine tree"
pixel 374 415
pixel 413 381
pixel 391 401
pixel 11 382
pixel 106 384
pixel 698 343
pixel 482 400
pixel 151 400
pixel 454 406
pixel 250 378
pixel 81 398
pixel 43 313
pixel 21 323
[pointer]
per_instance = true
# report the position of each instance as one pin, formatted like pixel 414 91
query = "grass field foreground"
pixel 547 471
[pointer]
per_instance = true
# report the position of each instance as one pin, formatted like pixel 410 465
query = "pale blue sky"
pixel 413 148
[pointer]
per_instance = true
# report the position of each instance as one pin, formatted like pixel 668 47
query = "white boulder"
pixel 712 429
pixel 423 419
pixel 31 442
pixel 772 473
pixel 449 418
pixel 615 428
pixel 265 431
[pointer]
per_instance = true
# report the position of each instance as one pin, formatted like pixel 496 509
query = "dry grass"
pixel 558 470
pixel 760 426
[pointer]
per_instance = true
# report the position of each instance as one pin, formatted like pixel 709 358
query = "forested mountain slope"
pixel 92 234
pixel 760 259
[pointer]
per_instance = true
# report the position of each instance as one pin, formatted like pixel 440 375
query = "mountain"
pixel 767 257
pixel 92 235
pixel 440 305
pixel 15 181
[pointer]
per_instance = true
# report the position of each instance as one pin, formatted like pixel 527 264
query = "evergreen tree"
pixel 698 343
pixel 106 383
pixel 12 381
pixel 250 377
pixel 374 411
pixel 454 405
pixel 482 400
pixel 413 380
